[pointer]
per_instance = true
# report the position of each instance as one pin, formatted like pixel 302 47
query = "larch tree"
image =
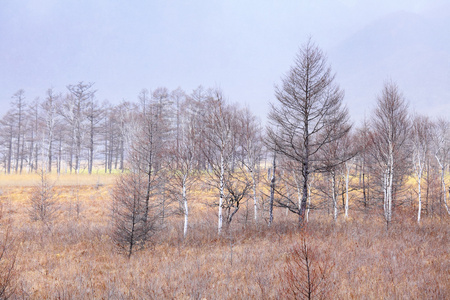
pixel 34 134
pixel 73 111
pixel 50 121
pixel 94 113
pixel 308 115
pixel 133 220
pixel 18 110
pixel 7 134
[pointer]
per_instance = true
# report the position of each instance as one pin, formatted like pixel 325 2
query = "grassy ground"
pixel 74 258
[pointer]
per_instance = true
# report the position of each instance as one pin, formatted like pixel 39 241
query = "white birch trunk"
pixel 309 201
pixel 333 192
pixel 346 188
pixel 419 190
pixel 221 193
pixel 186 210
pixel 444 192
pixel 299 191
pixel 385 194
pixel 255 199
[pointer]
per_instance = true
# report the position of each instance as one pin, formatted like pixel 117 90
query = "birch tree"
pixel 219 133
pixel 421 138
pixel 308 115
pixel 252 150
pixel 184 155
pixel 441 143
pixel 363 144
pixel 391 126
pixel 221 137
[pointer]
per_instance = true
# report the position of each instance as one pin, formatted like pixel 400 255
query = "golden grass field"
pixel 75 258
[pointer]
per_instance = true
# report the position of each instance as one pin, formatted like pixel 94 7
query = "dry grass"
pixel 74 258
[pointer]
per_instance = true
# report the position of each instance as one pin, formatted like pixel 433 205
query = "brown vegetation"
pixel 75 257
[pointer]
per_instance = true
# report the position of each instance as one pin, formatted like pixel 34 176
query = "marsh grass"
pixel 75 258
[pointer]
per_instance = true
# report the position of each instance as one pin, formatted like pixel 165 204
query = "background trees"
pixel 172 137
pixel 308 115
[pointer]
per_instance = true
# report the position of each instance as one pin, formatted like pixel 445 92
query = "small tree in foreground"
pixel 132 223
pixel 8 272
pixel 304 277
pixel 43 205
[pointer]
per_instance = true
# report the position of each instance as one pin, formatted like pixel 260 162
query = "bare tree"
pixel 133 221
pixel 73 111
pixel 420 139
pixel 305 276
pixel 7 133
pixel 50 120
pixel 442 153
pixel 8 270
pixel 309 115
pixel 94 114
pixel 148 147
pixel 184 154
pixel 252 151
pixel 391 125
pixel 363 142
pixel 335 157
pixel 43 205
pixel 18 110
pixel 219 133
pixel 33 135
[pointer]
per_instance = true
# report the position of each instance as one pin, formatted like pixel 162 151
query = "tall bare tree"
pixel 50 120
pixel 391 125
pixel 184 154
pixel 19 106
pixel 73 111
pixel 252 152
pixel 7 133
pixel 94 113
pixel 309 114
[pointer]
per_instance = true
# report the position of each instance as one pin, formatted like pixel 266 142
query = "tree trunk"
pixel 186 211
pixel 346 188
pixel 221 192
pixel 272 189
pixel 419 190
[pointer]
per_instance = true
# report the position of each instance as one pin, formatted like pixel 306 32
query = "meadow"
pixel 73 257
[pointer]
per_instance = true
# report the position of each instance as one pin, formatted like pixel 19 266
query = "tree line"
pixel 308 157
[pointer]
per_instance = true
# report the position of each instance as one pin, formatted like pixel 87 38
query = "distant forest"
pixel 308 147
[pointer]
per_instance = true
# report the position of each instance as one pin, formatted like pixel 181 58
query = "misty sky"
pixel 243 47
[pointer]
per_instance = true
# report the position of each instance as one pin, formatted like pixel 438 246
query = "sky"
pixel 243 47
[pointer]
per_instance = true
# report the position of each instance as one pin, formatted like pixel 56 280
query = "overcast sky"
pixel 243 47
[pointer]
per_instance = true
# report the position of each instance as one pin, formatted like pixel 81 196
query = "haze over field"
pixel 244 47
